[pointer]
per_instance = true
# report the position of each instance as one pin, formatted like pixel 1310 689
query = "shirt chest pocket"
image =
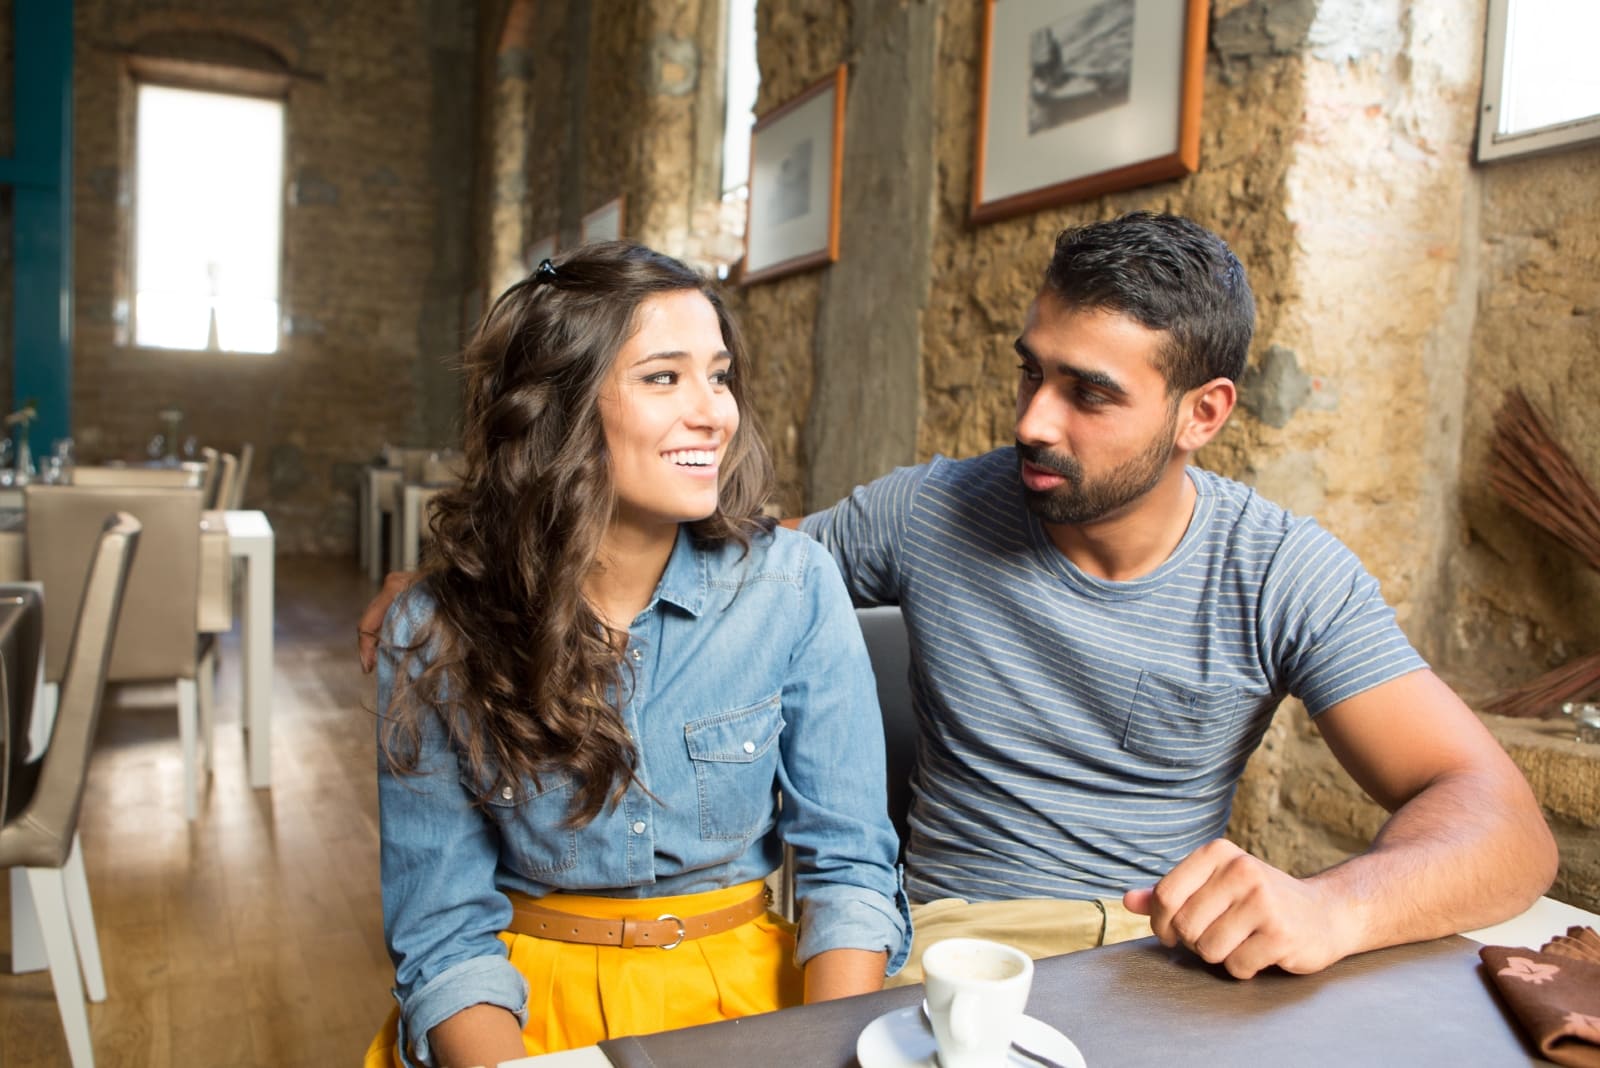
pixel 533 839
pixel 735 759
pixel 1178 724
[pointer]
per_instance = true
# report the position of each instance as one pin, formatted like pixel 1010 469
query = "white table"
pixel 377 494
pixel 410 511
pixel 250 541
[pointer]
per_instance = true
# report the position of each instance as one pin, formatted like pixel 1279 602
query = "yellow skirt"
pixel 579 994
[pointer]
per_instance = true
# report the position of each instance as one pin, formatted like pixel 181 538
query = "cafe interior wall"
pixel 377 246
pixel 1397 285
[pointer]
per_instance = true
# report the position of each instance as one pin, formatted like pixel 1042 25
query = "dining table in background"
pixel 250 544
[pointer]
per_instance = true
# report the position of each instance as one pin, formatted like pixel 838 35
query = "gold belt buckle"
pixel 682 931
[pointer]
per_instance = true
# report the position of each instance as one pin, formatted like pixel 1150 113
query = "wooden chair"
pixel 235 500
pixel 222 489
pixel 43 798
pixel 159 477
pixel 159 638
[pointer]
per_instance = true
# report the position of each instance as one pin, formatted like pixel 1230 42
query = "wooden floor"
pixel 253 936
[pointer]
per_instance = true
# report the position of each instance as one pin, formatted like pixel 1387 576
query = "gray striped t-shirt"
pixel 1078 736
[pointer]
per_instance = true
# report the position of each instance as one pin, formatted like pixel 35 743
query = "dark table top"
pixel 1140 1003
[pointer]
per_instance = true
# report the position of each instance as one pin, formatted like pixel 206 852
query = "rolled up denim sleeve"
pixel 834 812
pixel 442 913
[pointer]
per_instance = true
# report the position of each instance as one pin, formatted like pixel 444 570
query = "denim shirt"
pixel 749 678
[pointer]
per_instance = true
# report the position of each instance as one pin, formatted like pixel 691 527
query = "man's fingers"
pixel 1139 901
pixel 367 649
pixel 394 584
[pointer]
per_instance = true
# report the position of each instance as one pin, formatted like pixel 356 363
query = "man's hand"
pixel 1238 911
pixel 394 584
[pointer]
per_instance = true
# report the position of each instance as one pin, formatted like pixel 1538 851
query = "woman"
pixel 609 670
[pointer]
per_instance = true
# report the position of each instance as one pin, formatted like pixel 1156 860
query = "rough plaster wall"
pixel 1334 160
pixel 984 277
pixel 1521 602
pixel 1409 325
pixel 1382 210
pixel 378 159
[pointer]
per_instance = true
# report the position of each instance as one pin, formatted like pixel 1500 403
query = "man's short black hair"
pixel 1167 273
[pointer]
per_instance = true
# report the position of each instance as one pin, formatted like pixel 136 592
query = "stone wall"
pixel 376 253
pixel 1396 284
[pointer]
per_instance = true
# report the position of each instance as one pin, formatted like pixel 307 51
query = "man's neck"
pixel 1136 540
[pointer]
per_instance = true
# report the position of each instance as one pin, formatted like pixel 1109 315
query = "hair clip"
pixel 545 272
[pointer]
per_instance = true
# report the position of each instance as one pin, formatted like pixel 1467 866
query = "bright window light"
pixel 1541 85
pixel 744 78
pixel 209 216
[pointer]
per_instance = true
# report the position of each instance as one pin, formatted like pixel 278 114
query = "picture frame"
pixel 796 171
pixel 1079 98
pixel 539 251
pixel 605 223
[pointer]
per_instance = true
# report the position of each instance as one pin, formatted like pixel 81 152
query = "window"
pixel 1541 85
pixel 209 214
pixel 744 79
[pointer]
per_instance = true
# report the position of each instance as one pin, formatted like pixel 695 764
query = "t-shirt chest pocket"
pixel 735 758
pixel 1180 724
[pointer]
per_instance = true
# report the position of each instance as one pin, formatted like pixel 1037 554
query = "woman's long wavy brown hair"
pixel 522 672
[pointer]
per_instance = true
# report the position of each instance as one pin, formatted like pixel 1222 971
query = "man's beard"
pixel 1077 501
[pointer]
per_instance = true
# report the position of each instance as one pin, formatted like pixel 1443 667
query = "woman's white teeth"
pixel 692 457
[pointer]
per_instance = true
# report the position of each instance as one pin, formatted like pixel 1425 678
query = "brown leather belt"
pixel 664 932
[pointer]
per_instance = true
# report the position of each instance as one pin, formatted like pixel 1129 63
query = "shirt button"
pixel 637 656
pixel 638 827
pixel 749 747
pixel 508 793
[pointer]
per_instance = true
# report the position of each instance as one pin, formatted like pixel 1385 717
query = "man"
pixel 1101 634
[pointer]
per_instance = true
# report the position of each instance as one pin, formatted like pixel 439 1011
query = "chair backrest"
pixel 235 500
pixel 444 468
pixel 212 461
pixel 890 652
pixel 21 634
pixel 159 629
pixel 222 488
pixel 40 836
pixel 169 477
pixel 409 460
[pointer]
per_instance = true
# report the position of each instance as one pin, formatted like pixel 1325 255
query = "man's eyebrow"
pixel 1098 379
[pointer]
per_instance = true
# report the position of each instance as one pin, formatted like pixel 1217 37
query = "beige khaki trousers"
pixel 1040 927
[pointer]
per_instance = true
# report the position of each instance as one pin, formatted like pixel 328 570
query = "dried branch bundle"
pixel 1572 680
pixel 1537 477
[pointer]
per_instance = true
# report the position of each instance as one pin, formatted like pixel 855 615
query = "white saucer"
pixel 903 1039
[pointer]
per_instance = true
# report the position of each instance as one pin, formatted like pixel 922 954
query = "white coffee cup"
pixel 976 991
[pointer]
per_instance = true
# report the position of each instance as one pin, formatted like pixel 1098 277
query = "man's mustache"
pixel 1065 466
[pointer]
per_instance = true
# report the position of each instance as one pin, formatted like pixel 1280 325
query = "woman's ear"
pixel 1203 411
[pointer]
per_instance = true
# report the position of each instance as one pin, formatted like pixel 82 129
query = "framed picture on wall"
pixel 603 223
pixel 539 251
pixel 1078 98
pixel 796 152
